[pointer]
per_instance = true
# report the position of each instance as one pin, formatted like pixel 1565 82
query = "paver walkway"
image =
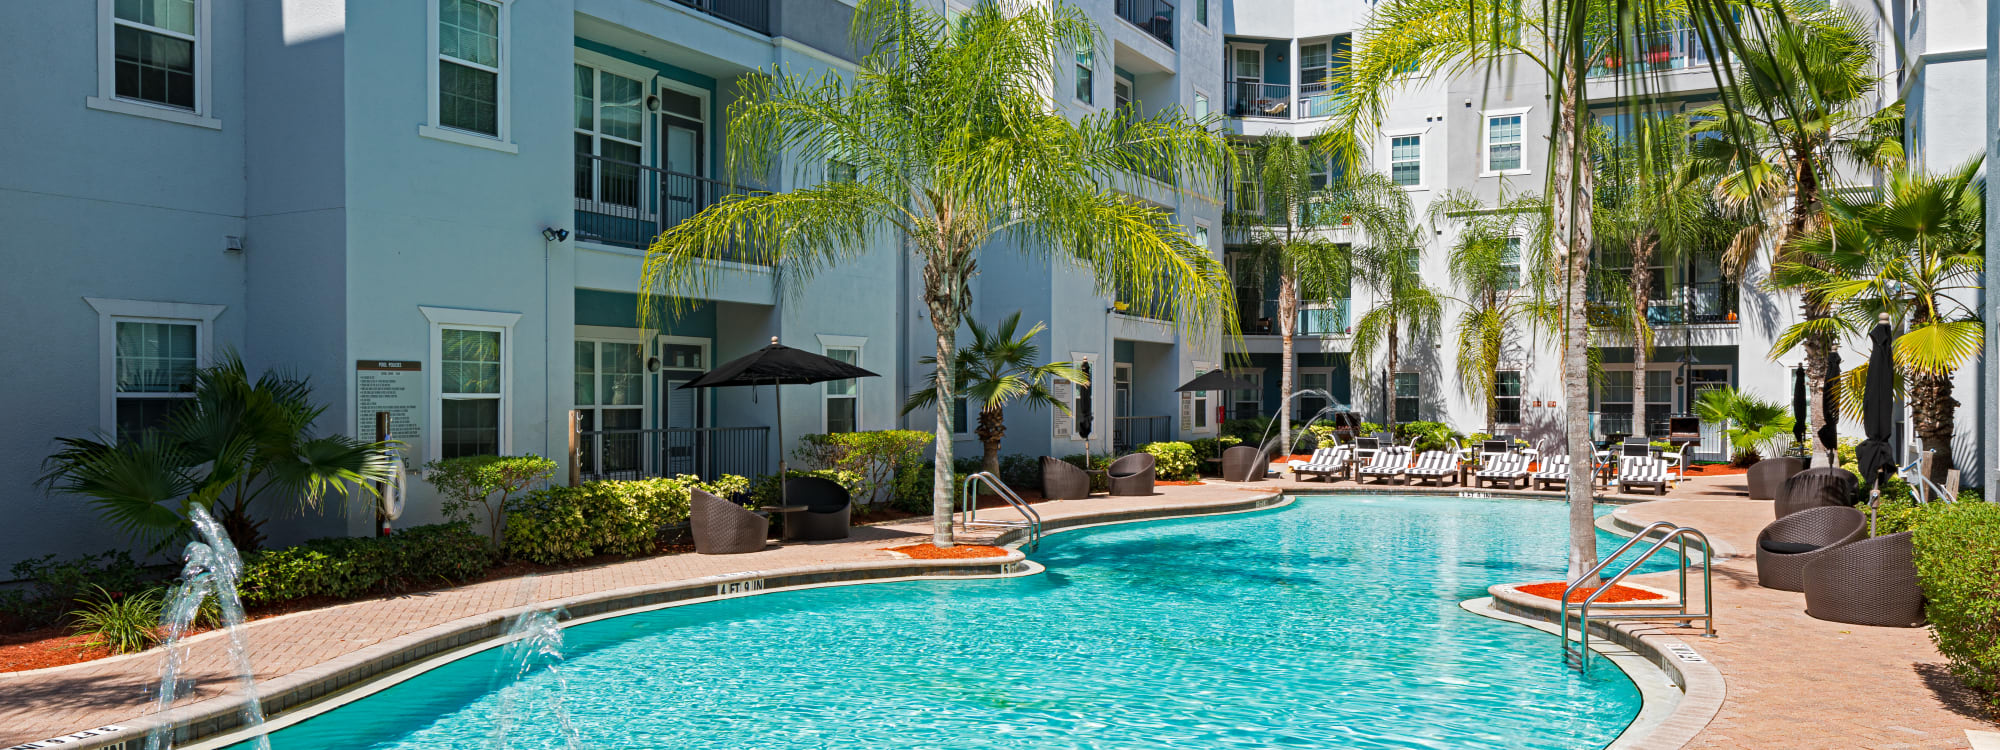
pixel 1793 682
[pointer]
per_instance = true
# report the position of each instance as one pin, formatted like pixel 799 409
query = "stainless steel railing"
pixel 969 513
pixel 1580 657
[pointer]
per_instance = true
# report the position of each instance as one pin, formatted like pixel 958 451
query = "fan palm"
pixel 235 441
pixel 1299 203
pixel 953 144
pixel 999 367
pixel 1913 257
pixel 1751 423
pixel 1499 263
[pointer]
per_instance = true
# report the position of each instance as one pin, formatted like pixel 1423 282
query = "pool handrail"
pixel 1675 535
pixel 1032 521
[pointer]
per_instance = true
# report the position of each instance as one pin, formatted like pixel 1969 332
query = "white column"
pixel 1292 62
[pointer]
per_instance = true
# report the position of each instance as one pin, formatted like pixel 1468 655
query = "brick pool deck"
pixel 1792 681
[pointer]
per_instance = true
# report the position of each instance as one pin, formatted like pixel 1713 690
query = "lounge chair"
pixel 1816 488
pixel 1062 480
pixel 1388 465
pixel 1244 464
pixel 1132 475
pixel 828 508
pixel 1434 467
pixel 1511 468
pixel 1326 462
pixel 1789 544
pixel 724 528
pixel 1554 470
pixel 1867 582
pixel 1642 471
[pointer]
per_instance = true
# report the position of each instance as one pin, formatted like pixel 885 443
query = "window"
pixel 961 417
pixel 1247 404
pixel 1200 410
pixel 611 125
pixel 1406 160
pixel 840 171
pixel 1200 107
pixel 469 74
pixel 1510 264
pixel 1199 235
pixel 1407 402
pixel 1248 65
pixel 1503 143
pixel 843 397
pixel 610 395
pixel 1507 397
pixel 153 51
pixel 1121 91
pixel 1320 173
pixel 1086 72
pixel 1615 402
pixel 149 354
pixel 1201 12
pixel 468 349
pixel 1313 63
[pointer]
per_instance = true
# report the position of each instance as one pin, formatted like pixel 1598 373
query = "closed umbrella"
pixel 1829 434
pixel 777 365
pixel 1084 408
pixel 1878 406
pixel 1801 411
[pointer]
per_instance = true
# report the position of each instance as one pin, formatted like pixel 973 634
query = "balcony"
pixel 1155 17
pixel 1315 319
pixel 1253 99
pixel 625 204
pixel 754 15
pixel 1693 303
pixel 1654 53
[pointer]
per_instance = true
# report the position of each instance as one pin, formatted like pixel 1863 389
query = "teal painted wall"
pixel 1121 351
pixel 683 75
pixel 621 310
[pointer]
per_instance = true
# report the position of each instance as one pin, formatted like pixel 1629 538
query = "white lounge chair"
pixel 1554 470
pixel 1434 467
pixel 1387 465
pixel 1511 468
pixel 1325 462
pixel 1642 471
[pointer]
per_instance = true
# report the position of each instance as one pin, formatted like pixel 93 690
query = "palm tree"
pixel 233 442
pixel 1781 143
pixel 997 368
pixel 952 142
pixel 1752 423
pixel 1299 202
pixel 1404 305
pixel 1913 257
pixel 1499 265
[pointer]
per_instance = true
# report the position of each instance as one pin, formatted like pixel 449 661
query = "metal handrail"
pixel 1032 521
pixel 1675 535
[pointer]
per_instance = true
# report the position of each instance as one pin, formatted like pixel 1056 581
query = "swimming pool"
pixel 1331 623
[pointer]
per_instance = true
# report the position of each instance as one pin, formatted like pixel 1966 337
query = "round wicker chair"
pixel 1787 545
pixel 1826 486
pixel 724 528
pixel 1244 464
pixel 1132 475
pixel 1062 480
pixel 828 509
pixel 1767 477
pixel 1869 582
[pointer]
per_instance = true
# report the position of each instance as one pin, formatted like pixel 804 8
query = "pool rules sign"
pixel 394 386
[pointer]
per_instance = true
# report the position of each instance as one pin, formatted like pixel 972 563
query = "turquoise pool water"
pixel 1332 623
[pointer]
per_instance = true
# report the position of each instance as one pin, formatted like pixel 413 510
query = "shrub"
pixel 1958 563
pixel 475 480
pixel 1174 461
pixel 1021 471
pixel 1207 448
pixel 1430 436
pixel 1249 430
pixel 768 491
pixel 1322 435
pixel 348 567
pixel 563 524
pixel 1098 482
pixel 1370 428
pixel 873 457
pixel 122 623
pixel 53 586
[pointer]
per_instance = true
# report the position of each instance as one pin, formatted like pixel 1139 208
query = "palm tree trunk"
pixel 1642 293
pixel 1573 184
pixel 991 430
pixel 944 277
pixel 1288 313
pixel 1805 200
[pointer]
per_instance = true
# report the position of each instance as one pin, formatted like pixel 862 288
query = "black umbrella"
pixel 777 365
pixel 1214 380
pixel 1801 410
pixel 1878 405
pixel 1084 407
pixel 1829 398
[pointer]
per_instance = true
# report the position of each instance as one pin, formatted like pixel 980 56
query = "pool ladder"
pixel 1579 656
pixel 969 507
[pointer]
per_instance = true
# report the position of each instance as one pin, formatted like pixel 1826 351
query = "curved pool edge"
pixel 308 692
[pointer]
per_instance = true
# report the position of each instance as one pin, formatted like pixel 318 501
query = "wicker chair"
pixel 828 508
pixel 724 528
pixel 1132 475
pixel 1767 477
pixel 1869 582
pixel 1787 545
pixel 1816 488
pixel 1243 464
pixel 1062 480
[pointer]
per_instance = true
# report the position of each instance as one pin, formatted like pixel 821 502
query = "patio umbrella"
pixel 1084 407
pixel 1878 406
pixel 1213 380
pixel 777 365
pixel 1829 433
pixel 1801 410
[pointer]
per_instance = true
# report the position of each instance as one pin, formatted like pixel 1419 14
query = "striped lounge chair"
pixel 1434 467
pixel 1503 467
pixel 1326 462
pixel 1387 465
pixel 1642 471
pixel 1554 470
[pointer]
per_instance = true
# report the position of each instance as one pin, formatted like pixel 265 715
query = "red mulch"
pixel 1715 470
pixel 928 551
pixel 1178 482
pixel 1618 593
pixel 46 647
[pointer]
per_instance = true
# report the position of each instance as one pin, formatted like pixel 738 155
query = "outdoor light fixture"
pixel 553 234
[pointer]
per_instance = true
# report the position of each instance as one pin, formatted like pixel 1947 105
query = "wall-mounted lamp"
pixel 553 234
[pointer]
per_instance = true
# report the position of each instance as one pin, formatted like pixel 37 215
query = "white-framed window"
pixel 1319 173
pixel 1202 419
pixel 961 417
pixel 1510 264
pixel 1200 107
pixel 1198 234
pixel 1247 404
pixel 472 378
pixel 610 394
pixel 840 400
pixel 1505 148
pixel 610 125
pixel 1408 401
pixel 468 73
pixel 1614 401
pixel 1121 91
pixel 1086 75
pixel 1247 64
pixel 1315 61
pixel 148 352
pixel 153 60
pixel 1406 160
pixel 1201 12
pixel 1507 397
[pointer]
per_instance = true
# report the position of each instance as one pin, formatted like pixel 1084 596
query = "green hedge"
pixel 564 524
pixel 1207 448
pixel 768 491
pixel 873 458
pixel 349 567
pixel 1958 562
pixel 1173 461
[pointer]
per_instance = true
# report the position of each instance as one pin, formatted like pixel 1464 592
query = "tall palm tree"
pixel 997 368
pixel 1913 256
pixel 1300 203
pixel 953 143
pixel 1802 110
pixel 234 441
pixel 1403 304
pixel 1499 263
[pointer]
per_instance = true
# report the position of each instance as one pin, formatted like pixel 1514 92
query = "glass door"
pixel 1714 445
pixel 683 444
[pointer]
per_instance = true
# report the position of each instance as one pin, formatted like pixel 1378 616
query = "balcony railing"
pixel 627 204
pixel 1253 99
pixel 706 452
pixel 1320 319
pixel 1693 303
pixel 754 15
pixel 1654 53
pixel 1131 432
pixel 1155 17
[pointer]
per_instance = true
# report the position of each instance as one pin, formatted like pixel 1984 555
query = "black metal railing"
pixel 706 452
pixel 628 204
pixel 1256 318
pixel 1155 17
pixel 1693 303
pixel 1253 99
pixel 1128 433
pixel 754 15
